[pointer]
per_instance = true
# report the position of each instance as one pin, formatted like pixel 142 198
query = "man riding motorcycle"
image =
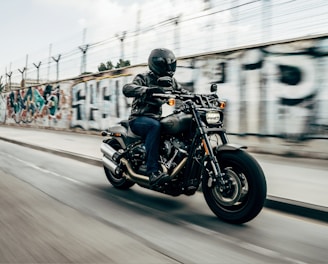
pixel 146 111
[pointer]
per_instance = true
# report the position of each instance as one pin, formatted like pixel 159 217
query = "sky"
pixel 30 26
pixel 34 29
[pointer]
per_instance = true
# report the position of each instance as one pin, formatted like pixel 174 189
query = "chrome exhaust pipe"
pixel 178 168
pixel 109 164
pixel 142 179
pixel 110 152
pixel 129 174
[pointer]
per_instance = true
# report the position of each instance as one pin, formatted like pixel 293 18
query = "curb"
pixel 302 209
pixel 288 206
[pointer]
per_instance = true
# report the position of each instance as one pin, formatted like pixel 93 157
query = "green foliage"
pixel 109 65
pixel 85 73
pixel 122 63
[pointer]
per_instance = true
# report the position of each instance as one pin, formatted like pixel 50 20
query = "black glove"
pixel 165 81
pixel 156 89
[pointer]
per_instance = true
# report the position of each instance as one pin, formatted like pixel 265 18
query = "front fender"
pixel 229 147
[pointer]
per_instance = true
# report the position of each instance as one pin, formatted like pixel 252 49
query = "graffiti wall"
pixel 278 90
pixel 43 106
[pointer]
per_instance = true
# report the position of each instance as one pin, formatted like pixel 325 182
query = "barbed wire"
pixel 218 26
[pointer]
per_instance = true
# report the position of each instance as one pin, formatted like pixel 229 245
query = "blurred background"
pixel 268 57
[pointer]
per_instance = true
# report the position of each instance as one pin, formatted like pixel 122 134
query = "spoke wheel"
pixel 243 195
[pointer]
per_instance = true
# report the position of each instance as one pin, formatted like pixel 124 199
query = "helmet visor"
pixel 166 65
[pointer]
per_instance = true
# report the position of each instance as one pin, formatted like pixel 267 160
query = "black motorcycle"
pixel 195 152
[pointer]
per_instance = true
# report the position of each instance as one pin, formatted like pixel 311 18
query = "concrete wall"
pixel 277 96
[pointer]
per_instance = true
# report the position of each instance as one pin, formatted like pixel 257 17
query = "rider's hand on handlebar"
pixel 165 81
pixel 156 89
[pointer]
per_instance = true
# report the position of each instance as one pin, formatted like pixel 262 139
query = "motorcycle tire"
pixel 118 181
pixel 245 198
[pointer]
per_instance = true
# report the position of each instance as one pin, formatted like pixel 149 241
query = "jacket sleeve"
pixel 137 88
pixel 178 87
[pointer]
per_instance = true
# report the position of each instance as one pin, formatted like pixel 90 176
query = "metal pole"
pixel 49 62
pixel 136 43
pixel 266 20
pixel 37 67
pixel 84 58
pixel 26 63
pixel 9 77
pixel 57 62
pixel 121 38
pixel 177 35
pixel 84 49
pixel 22 81
pixel 233 23
pixel 1 86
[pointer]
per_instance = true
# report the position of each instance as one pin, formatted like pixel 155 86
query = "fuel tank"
pixel 176 123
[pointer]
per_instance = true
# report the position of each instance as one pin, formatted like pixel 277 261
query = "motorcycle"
pixel 195 153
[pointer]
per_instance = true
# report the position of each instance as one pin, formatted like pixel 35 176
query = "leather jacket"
pixel 143 104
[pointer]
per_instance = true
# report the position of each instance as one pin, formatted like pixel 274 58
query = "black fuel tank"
pixel 176 123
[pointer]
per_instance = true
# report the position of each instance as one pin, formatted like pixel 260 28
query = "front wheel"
pixel 244 194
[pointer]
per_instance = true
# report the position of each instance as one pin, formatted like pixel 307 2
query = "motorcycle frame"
pixel 201 138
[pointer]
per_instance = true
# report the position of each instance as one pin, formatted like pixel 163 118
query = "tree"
pixel 109 65
pixel 122 63
pixel 105 67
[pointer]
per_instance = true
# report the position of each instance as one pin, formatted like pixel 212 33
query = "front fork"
pixel 211 155
pixel 217 177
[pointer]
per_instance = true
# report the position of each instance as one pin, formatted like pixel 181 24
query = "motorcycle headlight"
pixel 213 117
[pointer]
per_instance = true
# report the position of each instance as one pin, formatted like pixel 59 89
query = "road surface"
pixel 55 209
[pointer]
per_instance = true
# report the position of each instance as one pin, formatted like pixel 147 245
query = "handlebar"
pixel 203 100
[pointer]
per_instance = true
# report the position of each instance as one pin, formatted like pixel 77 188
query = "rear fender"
pixel 118 130
pixel 118 133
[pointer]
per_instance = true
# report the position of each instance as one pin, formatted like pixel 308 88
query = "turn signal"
pixel 222 104
pixel 171 102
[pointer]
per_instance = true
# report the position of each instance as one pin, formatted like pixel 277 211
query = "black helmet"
pixel 162 62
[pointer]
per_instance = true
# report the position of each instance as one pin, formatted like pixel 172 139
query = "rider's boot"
pixel 158 178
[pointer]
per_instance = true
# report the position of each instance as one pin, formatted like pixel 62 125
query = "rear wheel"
pixel 245 192
pixel 117 179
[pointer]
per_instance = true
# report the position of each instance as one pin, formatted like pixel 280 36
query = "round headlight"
pixel 213 117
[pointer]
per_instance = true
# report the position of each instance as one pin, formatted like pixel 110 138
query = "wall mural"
pixel 45 105
pixel 278 91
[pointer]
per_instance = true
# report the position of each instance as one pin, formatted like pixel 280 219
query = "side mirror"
pixel 214 87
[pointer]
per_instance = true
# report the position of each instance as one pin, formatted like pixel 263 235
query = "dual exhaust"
pixel 112 158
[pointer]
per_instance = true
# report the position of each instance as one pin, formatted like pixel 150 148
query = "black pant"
pixel 150 130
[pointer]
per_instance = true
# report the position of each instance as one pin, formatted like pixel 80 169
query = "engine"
pixel 172 152
pixel 137 157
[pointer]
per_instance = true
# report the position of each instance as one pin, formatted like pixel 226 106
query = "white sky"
pixel 30 26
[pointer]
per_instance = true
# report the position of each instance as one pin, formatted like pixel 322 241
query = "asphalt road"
pixel 55 209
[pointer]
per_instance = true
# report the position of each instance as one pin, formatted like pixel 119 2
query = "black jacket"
pixel 143 104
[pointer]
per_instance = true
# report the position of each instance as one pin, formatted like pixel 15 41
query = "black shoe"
pixel 158 178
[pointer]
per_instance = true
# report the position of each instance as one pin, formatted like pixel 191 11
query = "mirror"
pixel 214 87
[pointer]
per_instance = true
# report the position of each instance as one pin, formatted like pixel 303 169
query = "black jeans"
pixel 149 129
